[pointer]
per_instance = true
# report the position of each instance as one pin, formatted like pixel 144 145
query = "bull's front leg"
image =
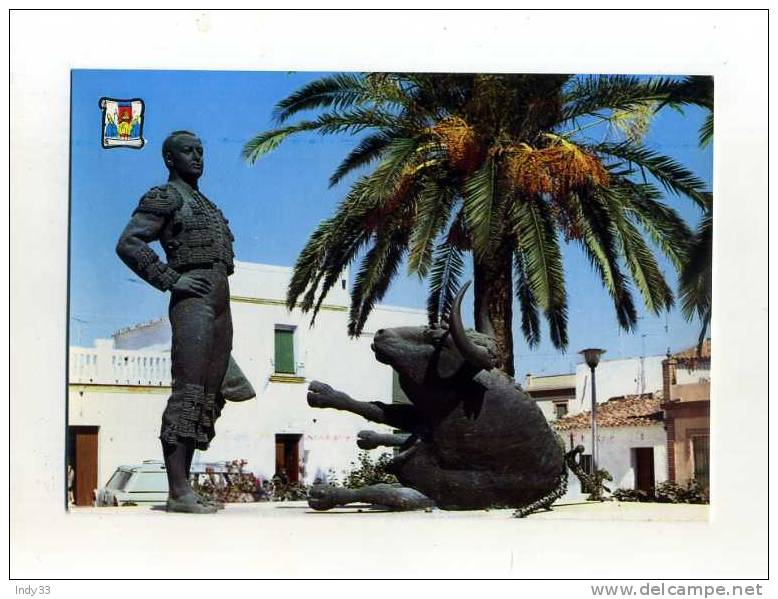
pixel 402 416
pixel 372 439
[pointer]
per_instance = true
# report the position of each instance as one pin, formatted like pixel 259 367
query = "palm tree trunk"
pixel 493 289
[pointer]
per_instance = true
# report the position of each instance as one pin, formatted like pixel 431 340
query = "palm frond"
pixel 365 152
pixel 530 323
pixel 355 120
pixel 694 89
pixel 663 225
pixel 645 271
pixel 671 174
pixel 439 94
pixel 704 325
pixel 349 121
pixel 330 249
pixel 432 212
pixel 696 277
pixel 481 207
pixel 323 266
pixel 542 258
pixel 396 159
pixel 267 141
pixel 445 272
pixel 597 93
pixel 339 91
pixel 336 262
pixel 598 243
pixel 308 265
pixel 361 200
pixel 706 131
pixel 378 268
pixel 334 245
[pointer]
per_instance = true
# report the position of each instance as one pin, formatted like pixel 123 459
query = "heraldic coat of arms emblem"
pixel 122 123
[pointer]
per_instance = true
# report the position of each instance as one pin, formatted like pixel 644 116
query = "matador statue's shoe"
pixel 191 503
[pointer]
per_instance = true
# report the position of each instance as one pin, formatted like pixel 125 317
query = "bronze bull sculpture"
pixel 476 440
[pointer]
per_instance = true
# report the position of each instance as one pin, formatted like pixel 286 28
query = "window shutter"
pixel 284 361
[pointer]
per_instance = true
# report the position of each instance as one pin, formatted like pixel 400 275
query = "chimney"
pixel 668 377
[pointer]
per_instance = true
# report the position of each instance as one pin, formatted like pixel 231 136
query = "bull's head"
pixel 419 353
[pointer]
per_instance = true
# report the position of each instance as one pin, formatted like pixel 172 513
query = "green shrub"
pixel 666 492
pixel 288 491
pixel 368 472
pixel 632 495
pixel 670 492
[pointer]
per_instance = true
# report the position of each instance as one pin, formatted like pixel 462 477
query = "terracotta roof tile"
pixel 689 355
pixel 630 410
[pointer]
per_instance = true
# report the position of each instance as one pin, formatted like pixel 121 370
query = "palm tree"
pixel 497 166
pixel 696 274
pixel 695 279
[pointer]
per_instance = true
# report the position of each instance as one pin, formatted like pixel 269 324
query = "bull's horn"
pixel 472 353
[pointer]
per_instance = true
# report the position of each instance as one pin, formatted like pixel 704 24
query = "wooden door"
pixel 280 464
pixel 288 456
pixel 701 456
pixel 84 443
pixel 292 459
pixel 644 468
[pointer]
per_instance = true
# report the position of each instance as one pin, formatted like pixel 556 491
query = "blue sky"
pixel 275 204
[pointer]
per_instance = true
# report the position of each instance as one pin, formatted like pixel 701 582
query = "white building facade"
pixel 616 378
pixel 631 437
pixel 635 456
pixel 119 388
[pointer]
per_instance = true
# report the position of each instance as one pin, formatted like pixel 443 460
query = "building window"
pixel 284 349
pixel 560 409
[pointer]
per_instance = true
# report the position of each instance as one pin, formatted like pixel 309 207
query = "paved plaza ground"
pixel 579 510
pixel 288 539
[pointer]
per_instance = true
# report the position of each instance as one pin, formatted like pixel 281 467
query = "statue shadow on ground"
pixel 358 508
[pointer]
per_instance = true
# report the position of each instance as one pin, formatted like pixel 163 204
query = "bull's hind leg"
pixel 402 416
pixel 395 497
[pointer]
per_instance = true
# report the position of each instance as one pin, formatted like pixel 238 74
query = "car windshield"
pixel 149 482
pixel 119 480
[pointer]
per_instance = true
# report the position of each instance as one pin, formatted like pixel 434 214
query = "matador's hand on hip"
pixel 196 285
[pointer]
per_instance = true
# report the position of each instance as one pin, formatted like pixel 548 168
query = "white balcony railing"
pixel 107 366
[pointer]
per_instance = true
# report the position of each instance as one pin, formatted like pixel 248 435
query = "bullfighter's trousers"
pixel 202 342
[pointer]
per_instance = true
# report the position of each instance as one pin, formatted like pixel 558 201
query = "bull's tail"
pixel 572 461
pixel 544 503
pixel 590 483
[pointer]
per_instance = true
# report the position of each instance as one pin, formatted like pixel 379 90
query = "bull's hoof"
pixel 321 395
pixel 322 498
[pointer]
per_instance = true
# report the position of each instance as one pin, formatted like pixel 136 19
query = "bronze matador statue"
pixel 197 242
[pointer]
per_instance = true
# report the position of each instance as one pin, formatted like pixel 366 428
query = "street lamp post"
pixel 592 357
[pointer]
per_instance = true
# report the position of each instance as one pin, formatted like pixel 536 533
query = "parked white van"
pixel 146 483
